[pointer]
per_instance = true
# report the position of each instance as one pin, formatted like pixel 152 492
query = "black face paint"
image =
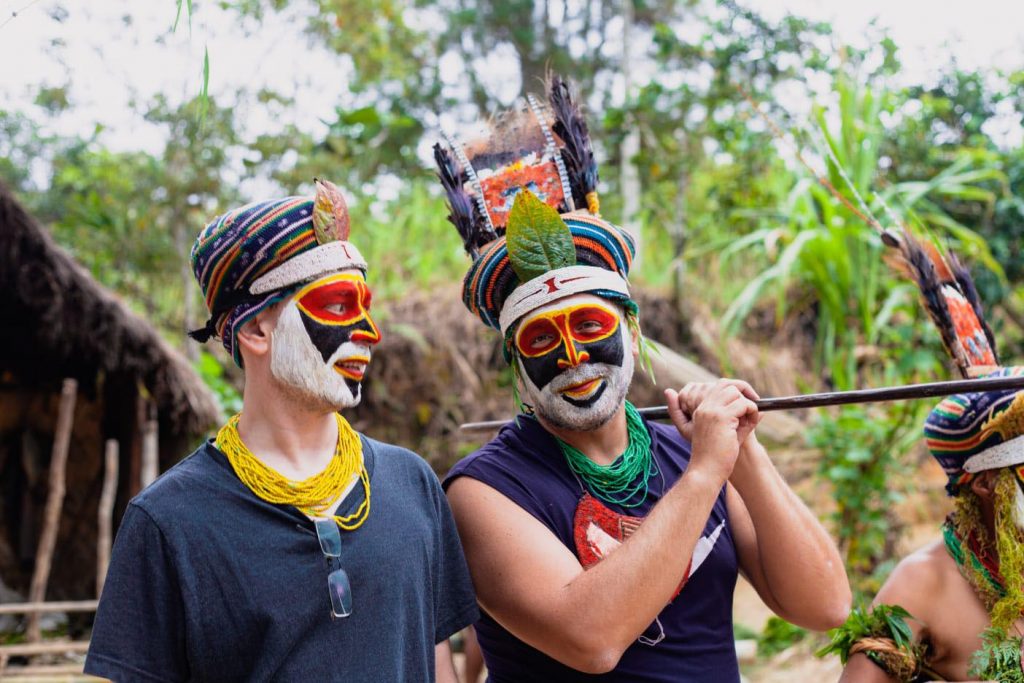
pixel 542 369
pixel 327 338
pixel 587 402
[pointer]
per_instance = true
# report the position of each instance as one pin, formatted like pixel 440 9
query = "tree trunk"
pixel 54 502
pixel 182 245
pixel 678 232
pixel 630 148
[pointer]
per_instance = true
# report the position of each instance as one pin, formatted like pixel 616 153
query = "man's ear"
pixel 984 484
pixel 254 335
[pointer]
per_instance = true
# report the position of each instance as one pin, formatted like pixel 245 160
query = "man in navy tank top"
pixel 603 546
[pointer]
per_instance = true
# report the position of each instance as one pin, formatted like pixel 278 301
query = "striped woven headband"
pixel 972 432
pixel 253 256
pixel 490 282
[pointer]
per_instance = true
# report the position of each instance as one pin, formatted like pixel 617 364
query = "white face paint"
pixel 322 343
pixel 598 369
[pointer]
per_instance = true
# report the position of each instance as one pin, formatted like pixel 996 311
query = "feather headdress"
pixel 545 149
pixel 951 299
pixel 532 171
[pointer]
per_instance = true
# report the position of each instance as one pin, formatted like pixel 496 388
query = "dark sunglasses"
pixel 337 581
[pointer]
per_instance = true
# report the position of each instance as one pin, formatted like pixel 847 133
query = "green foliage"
pixel 408 242
pixel 778 635
pixel 827 257
pixel 744 632
pixel 885 621
pixel 538 239
pixel 187 4
pixel 999 658
pixel 216 378
pixel 860 448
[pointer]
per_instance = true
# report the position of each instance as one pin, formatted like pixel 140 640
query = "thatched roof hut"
pixel 56 322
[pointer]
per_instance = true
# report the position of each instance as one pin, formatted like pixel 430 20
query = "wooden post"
pixel 54 502
pixel 105 514
pixel 150 448
pixel 135 451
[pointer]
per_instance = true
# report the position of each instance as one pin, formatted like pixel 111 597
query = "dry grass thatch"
pixel 56 322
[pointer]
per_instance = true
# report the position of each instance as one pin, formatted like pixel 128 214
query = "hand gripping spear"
pixel 905 392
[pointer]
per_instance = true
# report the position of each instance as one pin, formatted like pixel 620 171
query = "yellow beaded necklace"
pixel 313 496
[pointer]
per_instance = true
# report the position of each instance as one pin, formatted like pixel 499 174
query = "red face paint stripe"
pixel 562 323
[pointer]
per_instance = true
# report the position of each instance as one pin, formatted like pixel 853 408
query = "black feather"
pixel 970 292
pixel 578 154
pixel 462 210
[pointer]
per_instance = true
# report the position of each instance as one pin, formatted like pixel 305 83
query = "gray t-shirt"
pixel 207 582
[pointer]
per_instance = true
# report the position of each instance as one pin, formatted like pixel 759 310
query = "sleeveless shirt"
pixel 691 639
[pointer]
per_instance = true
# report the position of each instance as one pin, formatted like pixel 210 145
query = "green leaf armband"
pixel 883 635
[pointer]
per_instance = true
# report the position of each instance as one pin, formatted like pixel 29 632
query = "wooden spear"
pixel 836 398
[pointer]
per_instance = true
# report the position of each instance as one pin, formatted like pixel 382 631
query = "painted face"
pixel 323 339
pixel 575 360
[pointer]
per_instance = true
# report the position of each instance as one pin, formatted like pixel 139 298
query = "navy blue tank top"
pixel 692 638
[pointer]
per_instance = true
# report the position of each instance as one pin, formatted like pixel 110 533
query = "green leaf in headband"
pixel 538 239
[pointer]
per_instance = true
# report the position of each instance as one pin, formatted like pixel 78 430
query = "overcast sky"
pixel 110 51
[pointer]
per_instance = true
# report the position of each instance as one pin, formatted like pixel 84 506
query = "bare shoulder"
pixel 486 517
pixel 919 580
pixel 469 495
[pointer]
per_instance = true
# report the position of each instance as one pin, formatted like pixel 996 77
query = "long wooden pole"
pixel 836 398
pixel 54 502
pixel 105 513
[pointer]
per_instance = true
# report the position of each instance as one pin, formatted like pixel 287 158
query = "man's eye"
pixel 336 309
pixel 541 341
pixel 589 326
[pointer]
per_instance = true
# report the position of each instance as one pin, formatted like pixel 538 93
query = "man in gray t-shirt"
pixel 290 547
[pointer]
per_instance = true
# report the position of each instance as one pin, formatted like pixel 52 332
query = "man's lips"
pixel 353 367
pixel 584 389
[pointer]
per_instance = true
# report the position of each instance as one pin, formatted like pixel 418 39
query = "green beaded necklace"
pixel 627 477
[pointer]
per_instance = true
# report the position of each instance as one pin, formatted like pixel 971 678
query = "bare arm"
pixel 444 668
pixel 913 586
pixel 860 669
pixel 783 549
pixel 536 588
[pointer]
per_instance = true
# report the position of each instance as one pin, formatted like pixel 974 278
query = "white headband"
pixel 557 284
pixel 309 265
pixel 1001 455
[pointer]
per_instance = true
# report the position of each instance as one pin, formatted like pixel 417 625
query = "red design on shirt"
pixel 597 531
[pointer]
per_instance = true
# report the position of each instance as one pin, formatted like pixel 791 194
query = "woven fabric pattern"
pixel 598 243
pixel 964 425
pixel 241 245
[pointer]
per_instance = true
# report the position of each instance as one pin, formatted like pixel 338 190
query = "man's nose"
pixel 366 331
pixel 575 356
